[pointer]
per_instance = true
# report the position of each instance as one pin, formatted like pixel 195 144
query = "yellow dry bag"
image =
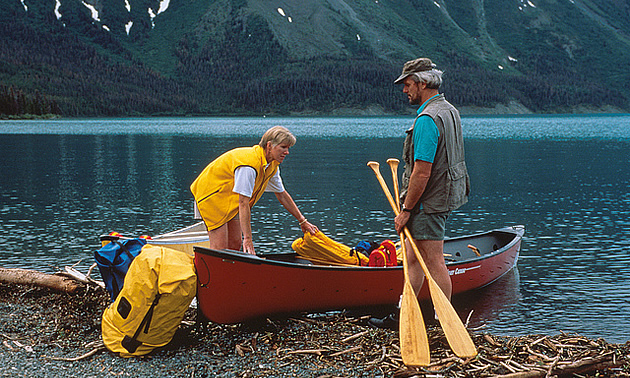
pixel 159 287
pixel 321 249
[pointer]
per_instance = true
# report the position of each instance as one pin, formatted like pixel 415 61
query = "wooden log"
pixel 33 277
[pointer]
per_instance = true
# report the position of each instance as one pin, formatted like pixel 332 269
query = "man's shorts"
pixel 425 226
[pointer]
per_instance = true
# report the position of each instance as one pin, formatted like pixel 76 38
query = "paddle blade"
pixel 456 334
pixel 414 345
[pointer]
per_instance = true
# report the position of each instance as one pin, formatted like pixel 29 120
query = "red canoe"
pixel 234 287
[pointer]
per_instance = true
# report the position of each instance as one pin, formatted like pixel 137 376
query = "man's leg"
pixel 432 252
pixel 416 274
pixel 431 249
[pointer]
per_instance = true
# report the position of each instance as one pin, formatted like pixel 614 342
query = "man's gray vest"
pixel 449 185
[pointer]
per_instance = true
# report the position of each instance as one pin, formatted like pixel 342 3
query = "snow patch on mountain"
pixel 283 14
pixel 57 6
pixel 93 10
pixel 162 8
pixel 527 3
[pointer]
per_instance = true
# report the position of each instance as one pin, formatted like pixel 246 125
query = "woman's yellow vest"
pixel 212 189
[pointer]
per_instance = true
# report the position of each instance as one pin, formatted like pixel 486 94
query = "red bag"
pixel 384 255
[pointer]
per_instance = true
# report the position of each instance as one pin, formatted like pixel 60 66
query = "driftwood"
pixel 33 277
pixel 533 356
pixel 345 345
pixel 78 358
pixel 586 365
pixel 71 272
pixel 97 345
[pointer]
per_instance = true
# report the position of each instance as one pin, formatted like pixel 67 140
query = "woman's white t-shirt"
pixel 244 178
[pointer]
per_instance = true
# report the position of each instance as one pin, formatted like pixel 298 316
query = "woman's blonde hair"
pixel 277 135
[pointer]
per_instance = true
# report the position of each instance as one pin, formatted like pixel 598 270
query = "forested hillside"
pixel 238 57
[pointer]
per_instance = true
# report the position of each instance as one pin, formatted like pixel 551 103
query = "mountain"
pixel 239 57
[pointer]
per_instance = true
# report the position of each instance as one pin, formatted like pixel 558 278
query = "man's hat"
pixel 413 66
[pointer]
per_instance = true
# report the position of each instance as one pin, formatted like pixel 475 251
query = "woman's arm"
pixel 245 220
pixel 287 202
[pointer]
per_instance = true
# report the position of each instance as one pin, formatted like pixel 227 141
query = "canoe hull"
pixel 234 287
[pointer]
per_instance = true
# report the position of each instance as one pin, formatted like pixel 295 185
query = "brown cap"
pixel 413 66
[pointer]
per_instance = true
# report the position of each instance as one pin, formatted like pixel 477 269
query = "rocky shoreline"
pixel 51 334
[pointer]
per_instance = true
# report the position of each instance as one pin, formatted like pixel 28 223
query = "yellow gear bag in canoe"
pixel 159 287
pixel 320 249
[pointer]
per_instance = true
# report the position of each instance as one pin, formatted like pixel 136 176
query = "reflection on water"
pixel 60 190
pixel 486 304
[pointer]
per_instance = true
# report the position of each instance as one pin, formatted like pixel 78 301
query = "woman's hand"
pixel 307 226
pixel 248 246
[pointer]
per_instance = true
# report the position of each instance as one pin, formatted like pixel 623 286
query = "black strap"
pixel 115 288
pixel 146 322
pixel 123 248
pixel 149 316
pixel 132 343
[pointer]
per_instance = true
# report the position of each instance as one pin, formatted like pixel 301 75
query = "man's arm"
pixel 417 183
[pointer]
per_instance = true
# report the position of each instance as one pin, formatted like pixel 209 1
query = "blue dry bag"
pixel 366 247
pixel 113 260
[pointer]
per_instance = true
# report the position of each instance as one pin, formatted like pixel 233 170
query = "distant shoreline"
pixel 499 110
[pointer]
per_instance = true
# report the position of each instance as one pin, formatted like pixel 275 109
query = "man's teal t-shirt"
pixel 425 136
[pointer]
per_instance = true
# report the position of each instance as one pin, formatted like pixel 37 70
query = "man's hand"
pixel 401 221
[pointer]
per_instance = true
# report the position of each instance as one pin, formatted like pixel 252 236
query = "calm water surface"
pixel 566 178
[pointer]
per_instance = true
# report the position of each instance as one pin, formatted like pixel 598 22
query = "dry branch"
pixel 78 358
pixel 84 278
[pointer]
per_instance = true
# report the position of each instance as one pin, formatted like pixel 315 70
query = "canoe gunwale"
pixel 226 254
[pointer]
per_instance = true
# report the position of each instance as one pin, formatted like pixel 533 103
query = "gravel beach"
pixel 51 334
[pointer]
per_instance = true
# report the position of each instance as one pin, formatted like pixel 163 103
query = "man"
pixel 435 181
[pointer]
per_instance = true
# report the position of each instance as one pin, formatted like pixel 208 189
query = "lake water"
pixel 565 178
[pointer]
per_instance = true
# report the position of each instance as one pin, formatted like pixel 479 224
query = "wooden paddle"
pixel 454 330
pixel 414 344
pixel 393 165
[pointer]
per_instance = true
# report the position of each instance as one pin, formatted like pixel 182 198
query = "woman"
pixel 229 187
